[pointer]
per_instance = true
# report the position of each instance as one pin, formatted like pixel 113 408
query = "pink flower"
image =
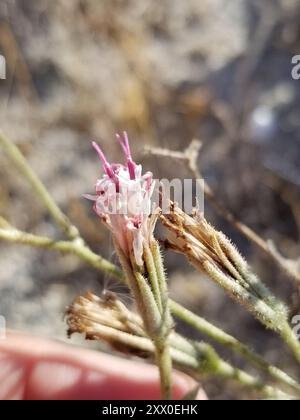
pixel 123 201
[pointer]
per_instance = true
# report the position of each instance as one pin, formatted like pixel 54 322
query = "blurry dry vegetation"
pixel 166 71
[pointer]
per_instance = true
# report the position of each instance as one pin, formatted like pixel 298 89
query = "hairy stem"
pixel 153 276
pixel 291 340
pixel 78 248
pixel 167 322
pixel 164 362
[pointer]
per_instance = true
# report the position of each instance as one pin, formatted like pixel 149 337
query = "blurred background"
pixel 166 71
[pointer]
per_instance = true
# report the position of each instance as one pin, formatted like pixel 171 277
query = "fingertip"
pixel 45 369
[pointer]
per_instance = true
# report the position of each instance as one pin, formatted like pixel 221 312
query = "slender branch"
pixel 164 363
pixel 73 247
pixel 231 342
pixel 291 340
pixel 152 276
pixel 21 163
pixel 227 371
pixel 166 319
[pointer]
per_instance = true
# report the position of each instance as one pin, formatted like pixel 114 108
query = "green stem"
pixel 158 331
pixel 231 342
pixel 150 313
pixel 263 312
pixel 159 266
pixel 291 340
pixel 226 371
pixel 164 362
pixel 153 276
pixel 78 248
pixel 167 323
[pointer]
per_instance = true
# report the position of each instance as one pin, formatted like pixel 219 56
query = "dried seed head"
pixel 106 319
pixel 191 236
pixel 214 254
pixel 89 312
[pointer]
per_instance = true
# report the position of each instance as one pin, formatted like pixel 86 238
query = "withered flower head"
pixel 203 245
pixel 88 312
pixel 212 253
pixel 106 319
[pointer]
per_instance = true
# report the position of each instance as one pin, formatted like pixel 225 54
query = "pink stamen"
pixel 131 168
pixel 124 142
pixel 106 165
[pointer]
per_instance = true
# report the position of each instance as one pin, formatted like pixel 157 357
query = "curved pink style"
pixel 124 142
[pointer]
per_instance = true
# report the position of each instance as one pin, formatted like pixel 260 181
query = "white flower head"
pixel 123 201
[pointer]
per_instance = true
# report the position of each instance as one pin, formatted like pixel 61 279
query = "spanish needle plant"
pixel 122 201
